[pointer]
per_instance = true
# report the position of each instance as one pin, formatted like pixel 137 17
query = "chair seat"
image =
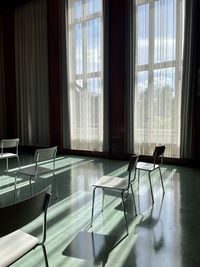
pixel 7 155
pixel 146 166
pixel 111 182
pixel 14 246
pixel 118 184
pixel 30 171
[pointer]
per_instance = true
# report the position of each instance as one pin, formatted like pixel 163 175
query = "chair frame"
pixel 40 156
pixel 9 143
pixel 131 167
pixel 158 154
pixel 16 216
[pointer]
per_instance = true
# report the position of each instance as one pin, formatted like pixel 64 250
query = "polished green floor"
pixel 166 235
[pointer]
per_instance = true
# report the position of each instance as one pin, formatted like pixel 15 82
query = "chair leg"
pixel 55 184
pixel 93 205
pixel 15 188
pixel 30 183
pixel 45 256
pixel 103 196
pixel 18 162
pixel 123 204
pixel 135 172
pixel 151 188
pixel 36 184
pixel 133 200
pixel 7 165
pixel 138 179
pixel 161 180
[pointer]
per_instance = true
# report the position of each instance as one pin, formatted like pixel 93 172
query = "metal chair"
pixel 15 243
pixel 33 172
pixel 9 144
pixel 121 185
pixel 150 167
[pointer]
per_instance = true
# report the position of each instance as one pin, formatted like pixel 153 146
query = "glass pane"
pixel 94 86
pixel 165 31
pixel 78 10
pixel 78 36
pixel 164 103
pixel 142 100
pixel 93 6
pixel 143 34
pixel 94 45
pixel 79 103
pixel 94 92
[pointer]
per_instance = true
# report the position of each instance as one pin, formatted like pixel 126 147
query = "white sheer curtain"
pixel 32 73
pixel 159 41
pixel 85 65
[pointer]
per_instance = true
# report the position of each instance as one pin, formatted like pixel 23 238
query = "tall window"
pixel 85 54
pixel 159 40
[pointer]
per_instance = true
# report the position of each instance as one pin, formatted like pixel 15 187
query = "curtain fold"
pixel 2 85
pixel 32 73
pixel 65 73
pixel 189 76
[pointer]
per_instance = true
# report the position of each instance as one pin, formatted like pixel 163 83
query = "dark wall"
pixel 117 129
pixel 54 64
pixel 197 88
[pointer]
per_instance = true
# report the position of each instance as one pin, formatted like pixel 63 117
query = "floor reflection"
pixel 152 221
pixel 165 234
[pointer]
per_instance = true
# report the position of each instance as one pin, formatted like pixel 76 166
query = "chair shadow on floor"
pixel 96 247
pixel 91 246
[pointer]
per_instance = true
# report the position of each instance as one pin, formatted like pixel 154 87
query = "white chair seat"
pixel 15 245
pixel 146 166
pixel 112 183
pixel 30 171
pixel 119 184
pixel 7 155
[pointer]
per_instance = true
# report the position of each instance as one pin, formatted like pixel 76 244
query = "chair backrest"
pixel 45 154
pixel 9 143
pixel 132 165
pixel 17 215
pixel 158 152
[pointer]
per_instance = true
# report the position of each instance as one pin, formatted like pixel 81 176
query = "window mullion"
pixel 151 64
pixel 84 47
pixel 178 61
